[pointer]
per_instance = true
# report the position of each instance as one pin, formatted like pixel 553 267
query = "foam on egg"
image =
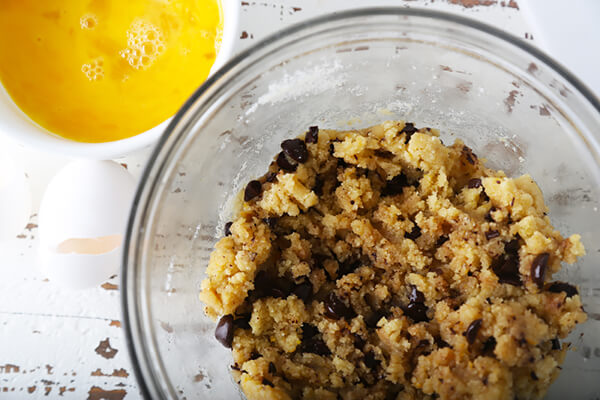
pixel 145 43
pixel 88 21
pixel 94 70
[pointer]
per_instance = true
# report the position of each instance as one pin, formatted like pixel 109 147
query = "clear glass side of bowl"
pixel 508 105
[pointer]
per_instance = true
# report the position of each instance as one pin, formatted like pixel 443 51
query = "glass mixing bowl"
pixel 509 102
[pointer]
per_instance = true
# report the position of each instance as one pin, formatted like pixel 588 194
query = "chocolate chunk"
pixel 386 154
pixel 271 177
pixel 555 344
pixel 272 369
pixel 224 330
pixel 370 361
pixel 414 233
pixel 474 183
pixel 227 228
pixel 336 309
pixel 417 312
pixel 469 155
pixel 271 221
pixel 484 197
pixel 415 295
pixel 318 188
pixel 253 189
pixel 255 355
pixel 491 234
pixel 538 269
pixel 262 283
pixel 513 246
pixel 242 322
pixel 395 185
pixel 303 291
pixel 359 342
pixel 276 293
pixel 488 216
pixel 409 129
pixel 285 164
pixel 267 382
pixel 472 330
pixel 558 287
pixel 295 149
pixel 489 345
pixel 312 136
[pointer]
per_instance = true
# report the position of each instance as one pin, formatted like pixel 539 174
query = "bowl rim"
pixel 24 131
pixel 130 307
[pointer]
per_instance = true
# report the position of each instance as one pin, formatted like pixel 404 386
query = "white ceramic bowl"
pixel 17 125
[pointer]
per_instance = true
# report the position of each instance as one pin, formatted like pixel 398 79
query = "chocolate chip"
pixel 359 342
pixel 309 331
pixel 409 129
pixel 441 343
pixel 318 346
pixel 224 331
pixel 488 216
pixel 386 154
pixel 318 188
pixel 506 267
pixel 253 189
pixel 491 234
pixel 558 287
pixel 414 233
pixel 303 291
pixel 372 320
pixel 555 344
pixel 282 242
pixel 469 155
pixel 271 177
pixel 242 322
pixel 395 185
pixel 441 240
pixel 271 221
pixel 267 382
pixel 312 136
pixel 276 293
pixel 348 267
pixel 295 149
pixel 370 361
pixel 415 295
pixel 484 197
pixel 538 269
pixel 227 228
pixel 262 283
pixel 417 312
pixel 336 309
pixel 285 164
pixel 255 355
pixel 489 345
pixel 474 183
pixel 507 270
pixel 272 369
pixel 472 330
pixel 534 376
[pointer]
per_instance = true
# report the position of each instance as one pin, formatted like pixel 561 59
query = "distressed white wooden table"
pixel 59 343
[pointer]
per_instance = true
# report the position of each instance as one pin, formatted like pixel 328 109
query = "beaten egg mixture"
pixel 104 70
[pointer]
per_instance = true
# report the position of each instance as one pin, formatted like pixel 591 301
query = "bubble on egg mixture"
pixel 145 42
pixel 94 70
pixel 88 21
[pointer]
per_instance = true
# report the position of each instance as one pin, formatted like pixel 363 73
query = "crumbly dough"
pixel 382 264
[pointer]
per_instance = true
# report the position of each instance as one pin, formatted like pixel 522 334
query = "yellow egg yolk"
pixel 104 70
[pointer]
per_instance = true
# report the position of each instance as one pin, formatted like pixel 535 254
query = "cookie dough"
pixel 382 264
